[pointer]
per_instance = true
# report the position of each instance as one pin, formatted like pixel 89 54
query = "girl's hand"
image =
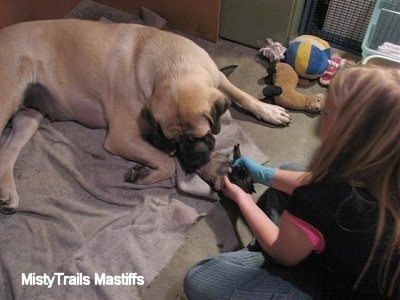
pixel 233 192
pixel 258 173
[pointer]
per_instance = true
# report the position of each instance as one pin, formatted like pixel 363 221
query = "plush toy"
pixel 283 76
pixel 308 55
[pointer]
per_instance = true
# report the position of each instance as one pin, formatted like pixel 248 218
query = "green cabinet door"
pixel 251 22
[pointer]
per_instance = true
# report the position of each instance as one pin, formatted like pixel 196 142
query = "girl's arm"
pixel 287 181
pixel 286 244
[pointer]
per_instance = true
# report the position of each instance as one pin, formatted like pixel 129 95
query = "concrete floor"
pixel 223 230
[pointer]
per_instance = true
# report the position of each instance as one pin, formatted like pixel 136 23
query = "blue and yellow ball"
pixel 308 55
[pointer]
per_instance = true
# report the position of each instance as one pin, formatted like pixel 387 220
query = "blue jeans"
pixel 250 273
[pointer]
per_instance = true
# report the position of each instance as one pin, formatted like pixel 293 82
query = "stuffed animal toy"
pixel 286 78
pixel 308 55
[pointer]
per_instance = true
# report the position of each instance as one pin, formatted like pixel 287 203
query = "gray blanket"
pixel 78 218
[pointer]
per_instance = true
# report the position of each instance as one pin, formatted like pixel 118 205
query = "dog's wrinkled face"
pixel 186 127
pixel 192 152
pixel 195 152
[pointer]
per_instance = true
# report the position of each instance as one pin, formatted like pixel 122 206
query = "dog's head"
pixel 183 121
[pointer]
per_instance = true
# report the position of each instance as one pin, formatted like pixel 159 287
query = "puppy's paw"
pixel 273 114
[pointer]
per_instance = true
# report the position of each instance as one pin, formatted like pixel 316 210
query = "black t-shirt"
pixel 347 218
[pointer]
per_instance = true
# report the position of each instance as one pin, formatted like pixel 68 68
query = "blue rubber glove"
pixel 258 173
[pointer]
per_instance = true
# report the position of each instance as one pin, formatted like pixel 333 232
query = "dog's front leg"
pixel 24 125
pixel 214 171
pixel 131 146
pixel 270 113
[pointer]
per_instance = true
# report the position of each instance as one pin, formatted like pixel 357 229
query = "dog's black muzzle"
pixel 194 153
pixel 191 152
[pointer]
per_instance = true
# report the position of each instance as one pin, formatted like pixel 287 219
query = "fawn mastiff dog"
pixel 158 94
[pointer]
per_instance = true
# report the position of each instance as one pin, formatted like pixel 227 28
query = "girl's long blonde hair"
pixel 362 147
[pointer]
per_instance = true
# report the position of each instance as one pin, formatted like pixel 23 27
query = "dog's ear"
pixel 162 112
pixel 153 133
pixel 219 107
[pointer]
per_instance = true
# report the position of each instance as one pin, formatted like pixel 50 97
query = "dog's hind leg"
pixel 24 124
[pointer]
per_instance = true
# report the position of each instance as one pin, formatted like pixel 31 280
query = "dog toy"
pixel 283 75
pixel 333 66
pixel 308 55
pixel 274 51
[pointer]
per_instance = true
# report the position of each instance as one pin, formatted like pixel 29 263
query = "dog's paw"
pixel 273 114
pixel 144 175
pixel 9 204
pixel 214 171
pixel 136 174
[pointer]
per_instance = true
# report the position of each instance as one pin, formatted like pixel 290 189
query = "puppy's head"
pixel 183 120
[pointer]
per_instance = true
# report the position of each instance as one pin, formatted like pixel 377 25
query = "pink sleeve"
pixel 314 235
